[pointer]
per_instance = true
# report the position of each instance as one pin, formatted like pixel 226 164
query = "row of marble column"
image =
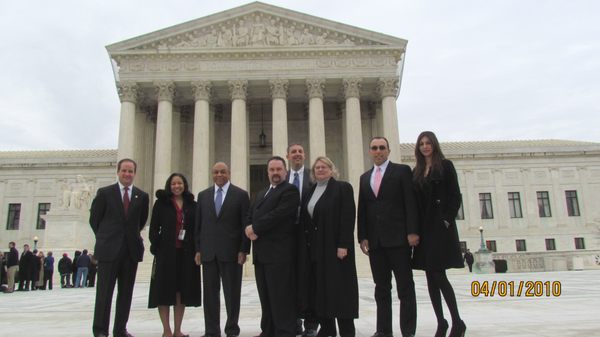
pixel 387 88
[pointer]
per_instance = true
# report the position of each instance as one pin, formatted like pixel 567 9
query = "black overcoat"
pixel 438 199
pixel 162 239
pixel 335 292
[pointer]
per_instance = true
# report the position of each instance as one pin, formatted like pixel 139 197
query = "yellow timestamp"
pixel 516 288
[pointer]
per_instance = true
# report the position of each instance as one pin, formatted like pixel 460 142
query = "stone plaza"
pixel 574 313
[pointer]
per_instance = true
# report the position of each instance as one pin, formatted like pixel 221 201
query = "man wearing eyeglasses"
pixel 387 231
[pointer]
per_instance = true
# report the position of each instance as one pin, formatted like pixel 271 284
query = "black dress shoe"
pixel 383 334
pixel 232 335
pixel 123 334
pixel 442 328
pixel 309 333
pixel 458 329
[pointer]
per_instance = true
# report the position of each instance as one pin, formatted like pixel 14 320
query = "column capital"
pixel 279 88
pixel 165 90
pixel 352 87
pixel 315 87
pixel 201 90
pixel 388 87
pixel 128 91
pixel 238 89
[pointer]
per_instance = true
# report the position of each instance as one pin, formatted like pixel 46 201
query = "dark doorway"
pixel 258 180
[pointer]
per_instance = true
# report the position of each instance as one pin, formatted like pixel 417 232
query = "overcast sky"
pixel 475 70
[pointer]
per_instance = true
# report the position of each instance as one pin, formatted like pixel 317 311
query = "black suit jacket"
pixel 387 219
pixel 273 219
pixel 222 236
pixel 112 228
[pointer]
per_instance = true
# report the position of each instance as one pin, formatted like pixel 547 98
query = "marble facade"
pixel 205 90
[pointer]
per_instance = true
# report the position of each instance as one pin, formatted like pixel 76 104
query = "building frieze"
pixel 141 64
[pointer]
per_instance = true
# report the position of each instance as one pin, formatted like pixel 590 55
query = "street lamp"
pixel 35 241
pixel 482 247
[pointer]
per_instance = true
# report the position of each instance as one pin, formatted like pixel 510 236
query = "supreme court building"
pixel 240 85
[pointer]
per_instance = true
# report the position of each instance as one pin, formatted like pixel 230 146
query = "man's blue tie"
pixel 219 200
pixel 296 181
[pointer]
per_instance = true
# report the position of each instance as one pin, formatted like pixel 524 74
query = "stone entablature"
pixel 295 65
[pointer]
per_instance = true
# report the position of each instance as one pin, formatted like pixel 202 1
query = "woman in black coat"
pixel 439 199
pixel 175 276
pixel 328 214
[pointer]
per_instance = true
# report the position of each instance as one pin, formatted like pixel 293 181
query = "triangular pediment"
pixel 256 26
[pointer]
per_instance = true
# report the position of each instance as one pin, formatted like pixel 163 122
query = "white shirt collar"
pixel 225 188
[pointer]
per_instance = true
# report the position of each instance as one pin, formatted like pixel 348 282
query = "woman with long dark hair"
pixel 439 199
pixel 175 276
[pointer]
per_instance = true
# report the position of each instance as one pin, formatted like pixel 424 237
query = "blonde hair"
pixel 326 161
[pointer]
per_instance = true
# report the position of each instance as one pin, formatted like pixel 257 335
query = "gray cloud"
pixel 474 70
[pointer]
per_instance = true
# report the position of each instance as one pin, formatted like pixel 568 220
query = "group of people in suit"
pixel 301 229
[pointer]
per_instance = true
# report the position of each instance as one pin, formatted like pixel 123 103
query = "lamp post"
pixel 482 247
pixel 35 241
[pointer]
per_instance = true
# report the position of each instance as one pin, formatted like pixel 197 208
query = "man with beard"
pixel 272 230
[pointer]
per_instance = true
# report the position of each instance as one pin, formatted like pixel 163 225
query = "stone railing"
pixel 550 261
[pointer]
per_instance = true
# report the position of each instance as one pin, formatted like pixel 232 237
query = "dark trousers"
pixel 230 274
pixel 65 280
pixel 385 261
pixel 24 284
pixel 48 279
pixel 277 294
pixel 346 326
pixel 121 271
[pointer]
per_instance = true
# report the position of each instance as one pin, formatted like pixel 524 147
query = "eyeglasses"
pixel 380 148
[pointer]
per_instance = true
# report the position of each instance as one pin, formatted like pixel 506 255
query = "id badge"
pixel 181 235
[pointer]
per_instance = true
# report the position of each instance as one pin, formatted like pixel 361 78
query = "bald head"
pixel 220 172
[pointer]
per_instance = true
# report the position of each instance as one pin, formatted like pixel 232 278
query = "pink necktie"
pixel 377 181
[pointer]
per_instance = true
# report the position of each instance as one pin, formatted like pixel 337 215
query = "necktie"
pixel 219 200
pixel 268 191
pixel 296 181
pixel 377 182
pixel 126 199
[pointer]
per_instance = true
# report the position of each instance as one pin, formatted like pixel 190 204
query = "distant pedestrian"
pixel 48 271
pixel 26 268
pixel 83 266
pixel 12 266
pixel 469 260
pixel 39 264
pixel 92 272
pixel 75 257
pixel 65 268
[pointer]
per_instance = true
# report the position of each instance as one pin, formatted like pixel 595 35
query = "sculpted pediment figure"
pixel 256 25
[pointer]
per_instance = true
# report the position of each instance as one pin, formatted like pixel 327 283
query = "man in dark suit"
pixel 272 230
pixel 26 269
pixel 299 176
pixel 118 214
pixel 221 248
pixel 387 231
